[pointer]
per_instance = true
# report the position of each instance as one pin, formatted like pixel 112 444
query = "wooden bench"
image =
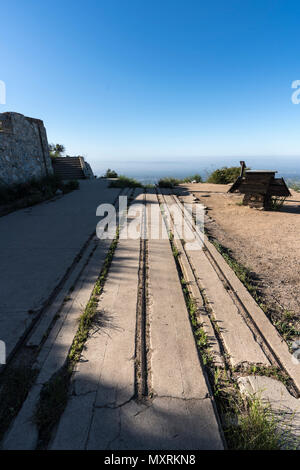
pixel 260 187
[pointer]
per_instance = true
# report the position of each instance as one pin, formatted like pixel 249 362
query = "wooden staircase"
pixel 68 168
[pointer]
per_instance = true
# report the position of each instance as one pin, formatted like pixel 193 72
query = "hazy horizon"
pixel 153 169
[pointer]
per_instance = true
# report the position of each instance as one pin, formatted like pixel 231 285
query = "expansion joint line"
pixel 183 253
pixel 141 356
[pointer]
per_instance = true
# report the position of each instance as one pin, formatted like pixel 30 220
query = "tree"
pixel 111 174
pixel 56 150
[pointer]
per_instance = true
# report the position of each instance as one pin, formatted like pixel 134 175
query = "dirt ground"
pixel 267 242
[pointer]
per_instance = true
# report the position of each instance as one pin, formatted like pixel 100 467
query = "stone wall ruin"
pixel 24 152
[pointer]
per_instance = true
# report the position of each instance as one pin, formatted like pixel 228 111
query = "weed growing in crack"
pixel 271 371
pixel 288 325
pixel 257 427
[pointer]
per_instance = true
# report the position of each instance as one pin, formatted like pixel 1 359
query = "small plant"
pixel 217 373
pixel 288 325
pixel 175 252
pixel 271 371
pixel 276 203
pixel 202 340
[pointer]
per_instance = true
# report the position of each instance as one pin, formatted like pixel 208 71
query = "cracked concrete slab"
pixel 164 424
pixel 37 335
pixel 74 425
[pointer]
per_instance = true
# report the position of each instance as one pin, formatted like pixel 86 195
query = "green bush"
pixel 34 190
pixel 224 175
pixel 195 177
pixel 168 182
pixel 111 174
pixel 125 182
pixel 70 186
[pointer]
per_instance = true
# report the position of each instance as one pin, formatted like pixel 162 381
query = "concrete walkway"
pixel 38 245
pixel 139 383
pixel 105 410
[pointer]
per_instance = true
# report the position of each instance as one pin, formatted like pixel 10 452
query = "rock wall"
pixel 24 152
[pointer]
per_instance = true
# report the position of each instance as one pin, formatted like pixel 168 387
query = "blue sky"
pixel 128 80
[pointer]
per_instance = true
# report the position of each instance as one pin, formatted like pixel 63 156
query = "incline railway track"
pixel 260 343
pixel 138 382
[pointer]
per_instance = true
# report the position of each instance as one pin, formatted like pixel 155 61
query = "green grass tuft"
pixel 125 182
pixel 197 178
pixel 169 182
pixel 257 428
